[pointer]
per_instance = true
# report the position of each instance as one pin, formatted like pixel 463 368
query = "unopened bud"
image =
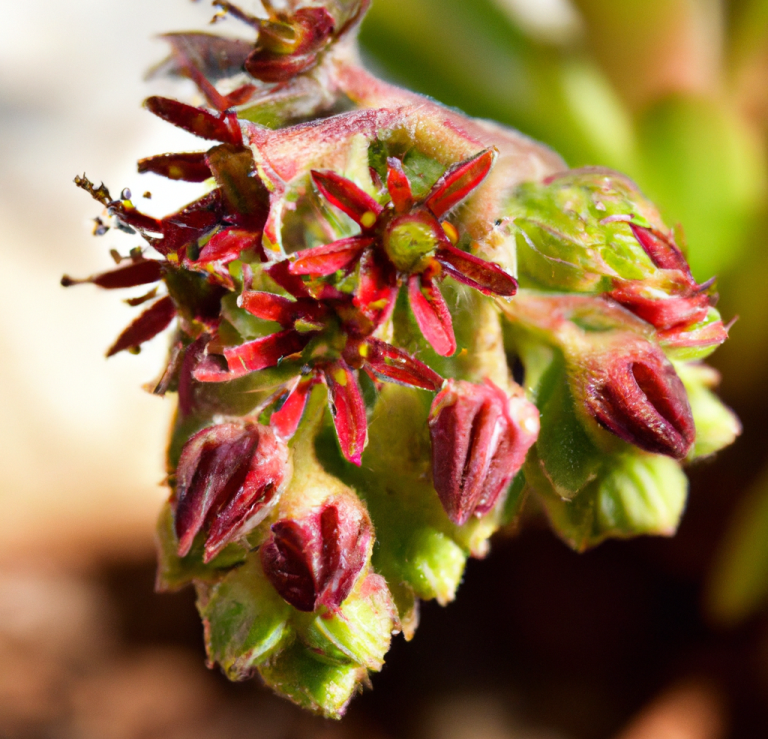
pixel 315 561
pixel 229 477
pixel 480 436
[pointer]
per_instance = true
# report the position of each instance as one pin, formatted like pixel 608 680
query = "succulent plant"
pixel 341 446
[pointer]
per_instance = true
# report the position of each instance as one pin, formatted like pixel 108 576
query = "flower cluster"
pixel 322 408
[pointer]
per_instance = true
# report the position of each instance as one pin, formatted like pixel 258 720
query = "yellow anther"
pixel 363 350
pixel 368 219
pixel 341 377
pixel 173 258
pixel 450 231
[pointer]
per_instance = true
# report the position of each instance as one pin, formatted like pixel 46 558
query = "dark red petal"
pixel 188 167
pixel 268 67
pixel 395 365
pixel 432 314
pixel 266 351
pixel 148 325
pixel 293 284
pixel 288 562
pixel 127 213
pixel 458 182
pixel 142 272
pixel 243 192
pixel 485 276
pixel 283 310
pixel 286 420
pixel 208 463
pixel 190 223
pixel 193 355
pixel 250 497
pixel 348 410
pixel 398 186
pixel 227 245
pixel 662 250
pixel 196 120
pixel 348 197
pixel 313 27
pixel 329 258
pixel 666 312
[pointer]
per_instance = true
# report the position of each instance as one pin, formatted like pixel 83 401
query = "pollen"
pixel 450 232
pixel 368 219
pixel 363 350
pixel 341 377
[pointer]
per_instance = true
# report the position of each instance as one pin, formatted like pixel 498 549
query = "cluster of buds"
pixel 321 408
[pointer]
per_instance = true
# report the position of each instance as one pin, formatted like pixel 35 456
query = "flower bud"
pixel 480 436
pixel 315 561
pixel 229 477
pixel 632 389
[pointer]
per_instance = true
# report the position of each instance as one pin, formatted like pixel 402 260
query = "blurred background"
pixel 649 639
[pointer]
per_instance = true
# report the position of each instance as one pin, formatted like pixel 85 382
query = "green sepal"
pixel 634 494
pixel 360 631
pixel 174 572
pixel 693 353
pixel 716 424
pixel 312 682
pixel 245 620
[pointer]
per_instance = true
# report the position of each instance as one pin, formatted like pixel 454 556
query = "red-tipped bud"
pixel 666 311
pixel 480 436
pixel 632 389
pixel 228 478
pixel 314 561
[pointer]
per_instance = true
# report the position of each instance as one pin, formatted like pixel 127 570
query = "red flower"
pixel 316 560
pixel 339 341
pixel 406 240
pixel 480 436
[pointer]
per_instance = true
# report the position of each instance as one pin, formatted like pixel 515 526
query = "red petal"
pixel 148 325
pixel 329 258
pixel 188 167
pixel 266 351
pixel 377 292
pixel 286 420
pixel 196 120
pixel 348 197
pixel 284 311
pixel 347 409
pixel 243 192
pixel 142 272
pixel 227 245
pixel 485 276
pixel 395 365
pixel 458 182
pixel 432 314
pixel 267 67
pixel 398 186
pixel 293 284
pixel 190 223
pixel 128 214
pixel 662 250
pixel 666 312
pixel 712 334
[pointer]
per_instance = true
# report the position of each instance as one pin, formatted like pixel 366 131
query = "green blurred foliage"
pixel 672 92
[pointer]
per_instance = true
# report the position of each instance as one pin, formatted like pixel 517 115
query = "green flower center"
pixel 409 242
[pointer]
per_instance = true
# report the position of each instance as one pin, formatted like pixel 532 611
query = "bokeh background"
pixel 649 639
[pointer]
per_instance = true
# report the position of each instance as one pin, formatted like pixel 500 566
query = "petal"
pixel 188 167
pixel 141 272
pixel 377 291
pixel 286 419
pixel 196 120
pixel 395 365
pixel 432 314
pixel 283 310
pixel 227 245
pixel 487 277
pixel 266 351
pixel 458 182
pixel 148 325
pixel 666 312
pixel 348 410
pixel 190 223
pixel 327 259
pixel 662 250
pixel 268 67
pixel 293 284
pixel 348 197
pixel 398 186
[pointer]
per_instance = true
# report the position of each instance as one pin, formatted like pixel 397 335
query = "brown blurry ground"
pixel 541 643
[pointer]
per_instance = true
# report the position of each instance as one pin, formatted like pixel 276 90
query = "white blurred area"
pixel 81 444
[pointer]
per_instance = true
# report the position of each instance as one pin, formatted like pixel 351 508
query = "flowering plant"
pixel 393 327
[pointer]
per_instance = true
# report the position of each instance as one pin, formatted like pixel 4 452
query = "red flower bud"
pixel 228 478
pixel 315 561
pixel 480 436
pixel 632 389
